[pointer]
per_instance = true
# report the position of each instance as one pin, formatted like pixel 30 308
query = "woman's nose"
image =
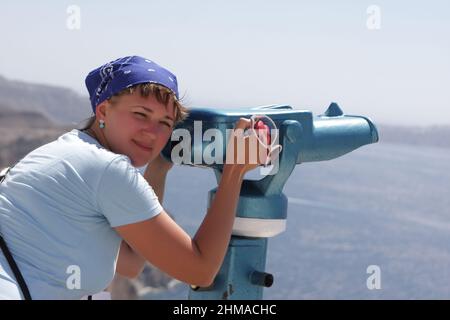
pixel 151 129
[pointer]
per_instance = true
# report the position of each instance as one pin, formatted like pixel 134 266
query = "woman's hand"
pixel 245 153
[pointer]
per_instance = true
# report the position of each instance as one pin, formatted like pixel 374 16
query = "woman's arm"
pixel 168 247
pixel 156 174
pixel 129 263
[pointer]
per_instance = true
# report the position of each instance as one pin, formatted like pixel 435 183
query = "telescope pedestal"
pixel 241 276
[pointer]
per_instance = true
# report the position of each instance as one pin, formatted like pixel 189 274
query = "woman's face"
pixel 138 127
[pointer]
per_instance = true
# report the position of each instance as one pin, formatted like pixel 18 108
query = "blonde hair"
pixel 162 94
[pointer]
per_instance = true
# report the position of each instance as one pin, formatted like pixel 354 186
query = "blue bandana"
pixel 111 78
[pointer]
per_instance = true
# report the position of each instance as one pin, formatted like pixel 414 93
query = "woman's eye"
pixel 141 114
pixel 167 124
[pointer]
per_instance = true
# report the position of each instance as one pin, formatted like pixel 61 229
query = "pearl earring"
pixel 102 124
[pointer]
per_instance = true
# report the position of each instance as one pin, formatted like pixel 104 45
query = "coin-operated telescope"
pixel 262 209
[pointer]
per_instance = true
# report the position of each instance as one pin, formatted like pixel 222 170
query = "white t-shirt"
pixel 58 207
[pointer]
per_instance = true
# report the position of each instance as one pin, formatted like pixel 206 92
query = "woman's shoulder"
pixel 73 150
pixel 83 145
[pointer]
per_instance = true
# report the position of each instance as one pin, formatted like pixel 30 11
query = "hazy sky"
pixel 250 53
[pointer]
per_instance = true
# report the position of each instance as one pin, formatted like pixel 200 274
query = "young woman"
pixel 76 210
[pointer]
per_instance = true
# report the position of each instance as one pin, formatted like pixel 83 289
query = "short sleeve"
pixel 124 196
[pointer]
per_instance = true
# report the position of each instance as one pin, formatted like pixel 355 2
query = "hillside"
pixel 60 105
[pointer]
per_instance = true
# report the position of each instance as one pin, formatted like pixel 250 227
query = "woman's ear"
pixel 100 111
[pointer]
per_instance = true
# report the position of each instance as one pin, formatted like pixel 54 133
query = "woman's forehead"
pixel 134 100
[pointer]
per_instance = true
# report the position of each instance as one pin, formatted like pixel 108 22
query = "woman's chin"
pixel 142 161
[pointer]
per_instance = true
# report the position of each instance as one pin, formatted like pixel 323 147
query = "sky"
pixel 387 60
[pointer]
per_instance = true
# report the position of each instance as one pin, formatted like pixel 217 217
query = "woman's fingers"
pixel 248 151
pixel 243 124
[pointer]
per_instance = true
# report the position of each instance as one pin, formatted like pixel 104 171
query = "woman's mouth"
pixel 148 149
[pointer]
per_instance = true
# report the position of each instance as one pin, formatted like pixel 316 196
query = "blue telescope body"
pixel 262 208
pixel 323 137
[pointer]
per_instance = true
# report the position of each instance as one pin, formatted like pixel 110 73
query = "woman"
pixel 76 210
